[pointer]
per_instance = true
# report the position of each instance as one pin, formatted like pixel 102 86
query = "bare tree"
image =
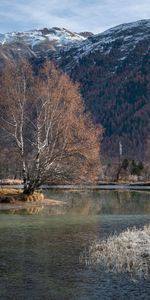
pixel 44 115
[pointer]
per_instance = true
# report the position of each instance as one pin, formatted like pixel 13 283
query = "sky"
pixel 75 15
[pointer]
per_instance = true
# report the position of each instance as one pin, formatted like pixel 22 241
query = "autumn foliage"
pixel 42 113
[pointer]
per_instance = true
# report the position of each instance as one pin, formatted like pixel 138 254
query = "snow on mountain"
pixel 113 69
pixel 128 26
pixel 130 34
pixel 60 41
pixel 60 36
pixel 121 39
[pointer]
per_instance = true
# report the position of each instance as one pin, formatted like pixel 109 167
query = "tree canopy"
pixel 43 113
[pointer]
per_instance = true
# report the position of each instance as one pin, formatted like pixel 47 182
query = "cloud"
pixel 76 15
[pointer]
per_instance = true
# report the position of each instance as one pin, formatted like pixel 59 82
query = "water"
pixel 40 253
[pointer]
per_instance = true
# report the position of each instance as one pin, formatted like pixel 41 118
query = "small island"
pixel 15 196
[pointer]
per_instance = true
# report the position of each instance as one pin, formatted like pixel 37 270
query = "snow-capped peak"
pixel 61 37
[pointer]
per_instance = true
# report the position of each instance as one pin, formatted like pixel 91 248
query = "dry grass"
pixel 15 195
pixel 9 191
pixel 129 252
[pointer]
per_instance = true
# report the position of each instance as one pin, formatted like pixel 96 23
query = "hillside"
pixel 113 69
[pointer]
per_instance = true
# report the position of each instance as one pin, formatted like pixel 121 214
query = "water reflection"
pixel 102 202
pixel 92 202
pixel 40 250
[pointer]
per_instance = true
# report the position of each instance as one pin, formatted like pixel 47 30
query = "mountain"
pixel 113 69
pixel 37 43
pixel 58 37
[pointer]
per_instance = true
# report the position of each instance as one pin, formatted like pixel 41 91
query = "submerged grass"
pixel 129 252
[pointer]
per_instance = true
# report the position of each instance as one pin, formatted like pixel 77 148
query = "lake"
pixel 40 249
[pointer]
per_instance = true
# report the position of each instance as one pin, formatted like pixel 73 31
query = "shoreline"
pixel 140 186
pixel 39 201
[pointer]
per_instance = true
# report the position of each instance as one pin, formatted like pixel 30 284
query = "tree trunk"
pixel 28 190
pixel 118 173
pixel 24 175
